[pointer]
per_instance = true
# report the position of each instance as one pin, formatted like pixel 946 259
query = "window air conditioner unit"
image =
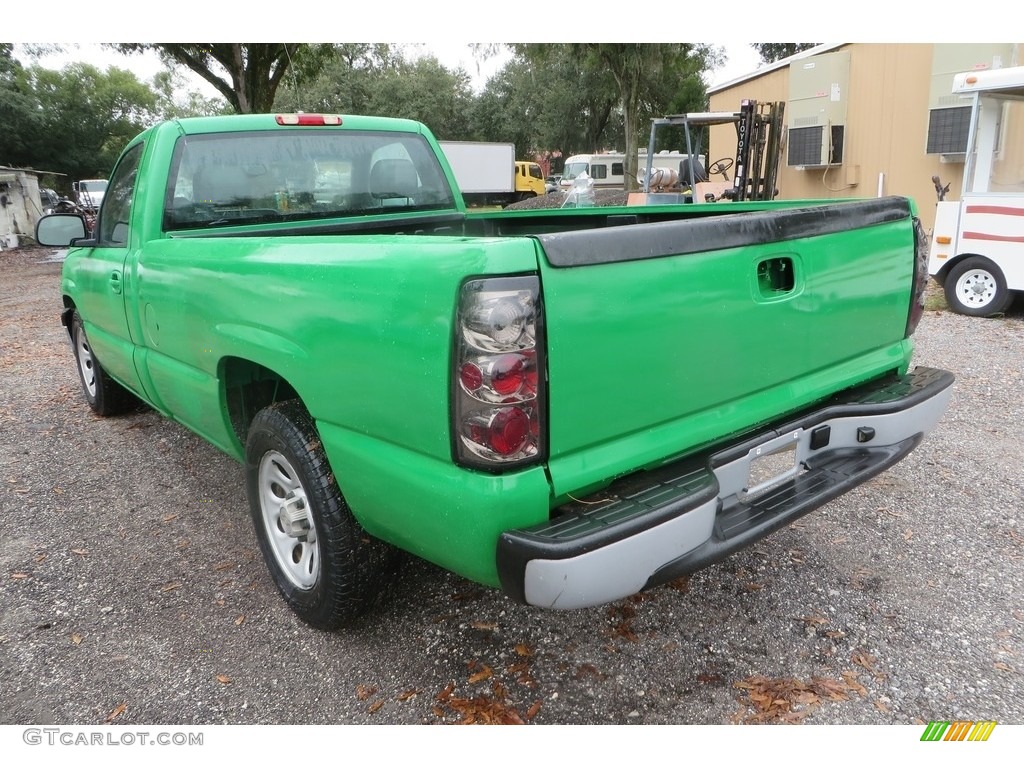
pixel 815 146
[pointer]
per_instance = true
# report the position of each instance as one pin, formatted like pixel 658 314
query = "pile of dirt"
pixel 555 200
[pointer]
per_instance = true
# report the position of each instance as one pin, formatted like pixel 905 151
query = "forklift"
pixel 759 140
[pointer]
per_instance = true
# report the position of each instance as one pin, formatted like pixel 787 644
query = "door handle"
pixel 115 281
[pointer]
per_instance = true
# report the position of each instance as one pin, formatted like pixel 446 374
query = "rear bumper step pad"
pixel 654 526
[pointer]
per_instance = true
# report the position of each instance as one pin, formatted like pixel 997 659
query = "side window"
pixel 598 171
pixel 115 218
pixel 617 169
pixel 536 172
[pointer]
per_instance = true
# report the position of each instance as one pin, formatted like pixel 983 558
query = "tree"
pixel 643 74
pixel 344 81
pixel 174 101
pixel 427 91
pixel 548 103
pixel 19 116
pixel 246 74
pixel 770 52
pixel 86 117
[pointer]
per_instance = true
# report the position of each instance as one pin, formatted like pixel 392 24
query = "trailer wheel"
pixel 977 287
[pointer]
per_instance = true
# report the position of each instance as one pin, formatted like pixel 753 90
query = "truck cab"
pixel 529 179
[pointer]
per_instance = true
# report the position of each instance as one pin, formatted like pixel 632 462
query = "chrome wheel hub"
pixel 288 520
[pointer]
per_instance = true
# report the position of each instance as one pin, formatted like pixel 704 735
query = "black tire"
pixel 977 287
pixel 328 569
pixel 105 396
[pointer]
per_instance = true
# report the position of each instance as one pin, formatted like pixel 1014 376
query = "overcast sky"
pixel 740 60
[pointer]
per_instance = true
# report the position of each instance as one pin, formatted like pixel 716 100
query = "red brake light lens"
pixel 497 407
pixel 304 118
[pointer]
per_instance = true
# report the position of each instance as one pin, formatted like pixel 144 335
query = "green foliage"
pixel 21 120
pixel 625 84
pixel 75 121
pixel 770 52
pixel 246 74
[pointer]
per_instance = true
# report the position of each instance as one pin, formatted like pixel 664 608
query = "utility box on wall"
pixel 818 94
pixel 948 114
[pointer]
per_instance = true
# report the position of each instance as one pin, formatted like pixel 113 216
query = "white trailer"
pixel 607 169
pixel 977 244
pixel 484 171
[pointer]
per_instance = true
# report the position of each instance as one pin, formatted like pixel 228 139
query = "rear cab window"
pixel 267 176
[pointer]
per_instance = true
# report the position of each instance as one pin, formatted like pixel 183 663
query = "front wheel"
pixel 105 396
pixel 327 568
pixel 977 287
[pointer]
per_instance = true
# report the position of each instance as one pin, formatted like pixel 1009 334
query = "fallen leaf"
pixel 40 558
pixel 19 575
pixel 363 692
pixel 1003 666
pixel 240 620
pixel 446 692
pixel 588 670
pixel 406 695
pixel 908 534
pixel 223 566
pixel 682 584
pixel 853 684
pixel 522 649
pixel 168 518
pixel 483 625
pixel 753 587
pixel 880 706
pixel 76 638
pixel 483 674
pixel 224 679
pixel 81 552
pixel 375 706
pixel 533 710
pixel 172 586
pixel 813 620
pixel 116 712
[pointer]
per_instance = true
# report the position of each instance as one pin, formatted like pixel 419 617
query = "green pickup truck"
pixel 572 405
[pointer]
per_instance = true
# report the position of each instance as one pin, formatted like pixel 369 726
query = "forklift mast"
pixel 758 150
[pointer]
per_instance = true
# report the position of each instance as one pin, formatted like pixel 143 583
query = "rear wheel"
pixel 327 568
pixel 105 396
pixel 977 287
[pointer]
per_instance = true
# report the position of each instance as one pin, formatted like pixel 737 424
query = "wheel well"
pixel 949 265
pixel 248 388
pixel 65 315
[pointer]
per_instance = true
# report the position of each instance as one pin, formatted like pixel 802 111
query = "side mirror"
pixel 60 229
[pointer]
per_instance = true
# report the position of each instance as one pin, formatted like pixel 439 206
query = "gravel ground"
pixel 133 591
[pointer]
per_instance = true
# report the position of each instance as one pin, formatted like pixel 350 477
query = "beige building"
pixel 867 119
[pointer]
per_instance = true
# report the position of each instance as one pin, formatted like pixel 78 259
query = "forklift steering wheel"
pixel 720 166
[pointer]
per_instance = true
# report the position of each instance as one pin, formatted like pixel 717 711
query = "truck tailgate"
pixel 663 337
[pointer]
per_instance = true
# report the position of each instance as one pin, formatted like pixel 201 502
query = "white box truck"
pixel 485 171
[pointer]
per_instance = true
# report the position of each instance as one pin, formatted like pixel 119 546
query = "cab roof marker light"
pixel 303 118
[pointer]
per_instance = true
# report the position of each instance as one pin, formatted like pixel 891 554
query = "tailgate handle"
pixel 775 276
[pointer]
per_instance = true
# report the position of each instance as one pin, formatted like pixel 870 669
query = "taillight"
pixel 498 374
pixel 920 280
